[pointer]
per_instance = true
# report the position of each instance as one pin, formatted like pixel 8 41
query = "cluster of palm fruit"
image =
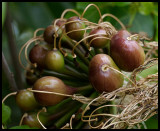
pixel 75 55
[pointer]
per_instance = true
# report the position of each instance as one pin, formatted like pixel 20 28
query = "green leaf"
pixel 31 14
pixel 3 12
pixel 6 113
pixel 91 13
pixel 142 23
pixel 122 4
pixel 149 71
pixel 156 27
pixel 146 8
pixel 152 123
pixel 156 35
pixel 23 127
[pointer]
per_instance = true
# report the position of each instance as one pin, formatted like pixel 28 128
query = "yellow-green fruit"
pixel 54 61
pixel 26 101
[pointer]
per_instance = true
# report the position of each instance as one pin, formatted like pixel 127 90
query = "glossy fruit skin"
pixel 26 101
pixel 76 35
pixel 60 23
pixel 31 120
pixel 104 80
pixel 98 42
pixel 37 55
pixel 54 61
pixel 49 32
pixel 52 84
pixel 127 54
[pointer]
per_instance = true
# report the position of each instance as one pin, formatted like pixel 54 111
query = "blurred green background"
pixel 28 16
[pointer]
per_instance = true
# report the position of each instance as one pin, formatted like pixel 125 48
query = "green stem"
pixel 84 88
pixel 77 51
pixel 71 71
pixel 93 95
pixel 62 121
pixel 56 108
pixel 113 109
pixel 61 111
pixel 74 83
pixel 68 80
pixel 82 66
pixel 86 48
pixel 56 74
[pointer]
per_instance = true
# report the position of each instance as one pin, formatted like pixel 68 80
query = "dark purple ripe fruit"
pixel 37 55
pixel 96 41
pixel 126 53
pixel 75 25
pixel 52 84
pixel 102 78
pixel 26 101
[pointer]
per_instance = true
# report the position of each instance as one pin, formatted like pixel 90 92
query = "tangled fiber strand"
pixel 134 104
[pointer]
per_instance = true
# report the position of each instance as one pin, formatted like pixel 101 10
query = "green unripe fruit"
pixel 26 101
pixel 78 24
pixel 54 61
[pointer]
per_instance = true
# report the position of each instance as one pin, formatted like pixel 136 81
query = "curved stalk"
pixel 81 65
pixel 77 51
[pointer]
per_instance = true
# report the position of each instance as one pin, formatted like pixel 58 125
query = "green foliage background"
pixel 28 16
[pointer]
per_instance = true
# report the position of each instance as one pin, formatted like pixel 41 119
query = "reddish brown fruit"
pixel 37 55
pixel 52 84
pixel 98 42
pixel 127 54
pixel 103 78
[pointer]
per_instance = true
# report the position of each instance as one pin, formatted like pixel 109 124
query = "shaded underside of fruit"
pixel 32 121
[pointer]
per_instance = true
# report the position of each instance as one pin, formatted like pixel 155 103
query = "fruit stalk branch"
pixel 9 74
pixel 81 66
pixel 67 116
pixel 78 52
